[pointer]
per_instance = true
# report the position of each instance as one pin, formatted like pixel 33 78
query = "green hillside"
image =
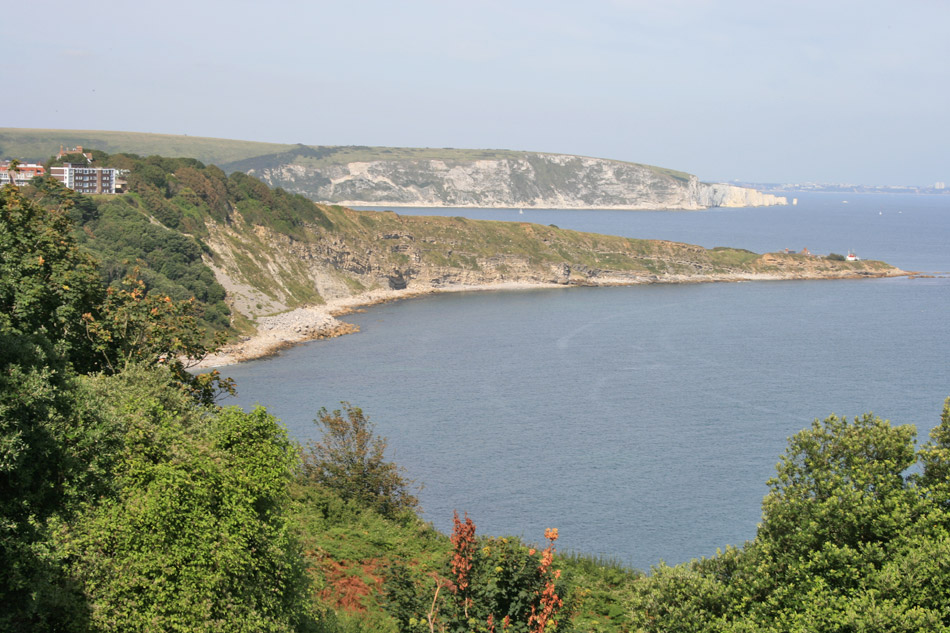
pixel 39 145
pixel 231 155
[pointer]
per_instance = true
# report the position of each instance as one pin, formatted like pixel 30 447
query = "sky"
pixel 830 91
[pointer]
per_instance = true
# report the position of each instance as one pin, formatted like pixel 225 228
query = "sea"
pixel 643 422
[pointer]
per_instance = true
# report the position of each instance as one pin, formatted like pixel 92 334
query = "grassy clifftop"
pixel 232 155
pixel 39 144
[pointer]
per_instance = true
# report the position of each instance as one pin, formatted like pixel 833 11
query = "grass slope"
pixel 37 144
pixel 236 155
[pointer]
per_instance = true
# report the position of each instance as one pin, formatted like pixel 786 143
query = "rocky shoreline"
pixel 287 329
pixel 290 328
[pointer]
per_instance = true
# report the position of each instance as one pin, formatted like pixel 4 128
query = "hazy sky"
pixel 760 90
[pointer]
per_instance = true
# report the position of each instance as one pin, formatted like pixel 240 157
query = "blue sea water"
pixel 641 421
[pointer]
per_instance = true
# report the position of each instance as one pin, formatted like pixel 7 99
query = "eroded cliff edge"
pixel 500 179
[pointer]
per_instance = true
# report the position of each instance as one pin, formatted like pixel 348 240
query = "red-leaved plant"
pixel 549 602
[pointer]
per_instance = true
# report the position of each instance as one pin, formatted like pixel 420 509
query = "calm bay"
pixel 641 421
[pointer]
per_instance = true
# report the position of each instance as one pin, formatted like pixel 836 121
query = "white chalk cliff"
pixel 523 180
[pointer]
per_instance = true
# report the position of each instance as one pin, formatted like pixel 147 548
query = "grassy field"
pixel 356 153
pixel 35 144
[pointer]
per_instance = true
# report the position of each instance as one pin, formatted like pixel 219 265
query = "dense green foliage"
pixel 849 541
pixel 156 231
pixel 127 502
pixel 46 282
pixel 350 549
pixel 46 285
pixel 193 532
pixel 120 233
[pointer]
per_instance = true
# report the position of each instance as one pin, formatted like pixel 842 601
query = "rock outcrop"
pixel 512 181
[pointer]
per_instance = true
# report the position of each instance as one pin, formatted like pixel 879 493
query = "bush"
pixel 490 584
pixel 350 461
pixel 194 534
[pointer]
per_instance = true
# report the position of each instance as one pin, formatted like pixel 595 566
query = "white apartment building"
pixel 86 179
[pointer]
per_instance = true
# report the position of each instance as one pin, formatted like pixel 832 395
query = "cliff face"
pixel 525 180
pixel 724 195
pixel 266 272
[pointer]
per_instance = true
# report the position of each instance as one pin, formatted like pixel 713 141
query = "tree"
pixel 134 326
pixel 45 286
pixel 935 457
pixel 840 483
pixel 350 460
pixel 46 282
pixel 55 447
pixel 125 503
pixel 848 542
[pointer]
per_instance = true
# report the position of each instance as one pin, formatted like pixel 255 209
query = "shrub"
pixel 350 460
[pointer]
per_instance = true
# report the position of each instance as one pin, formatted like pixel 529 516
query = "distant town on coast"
pixel 939 187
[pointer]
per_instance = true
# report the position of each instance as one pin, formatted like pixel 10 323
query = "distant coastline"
pixel 812 187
